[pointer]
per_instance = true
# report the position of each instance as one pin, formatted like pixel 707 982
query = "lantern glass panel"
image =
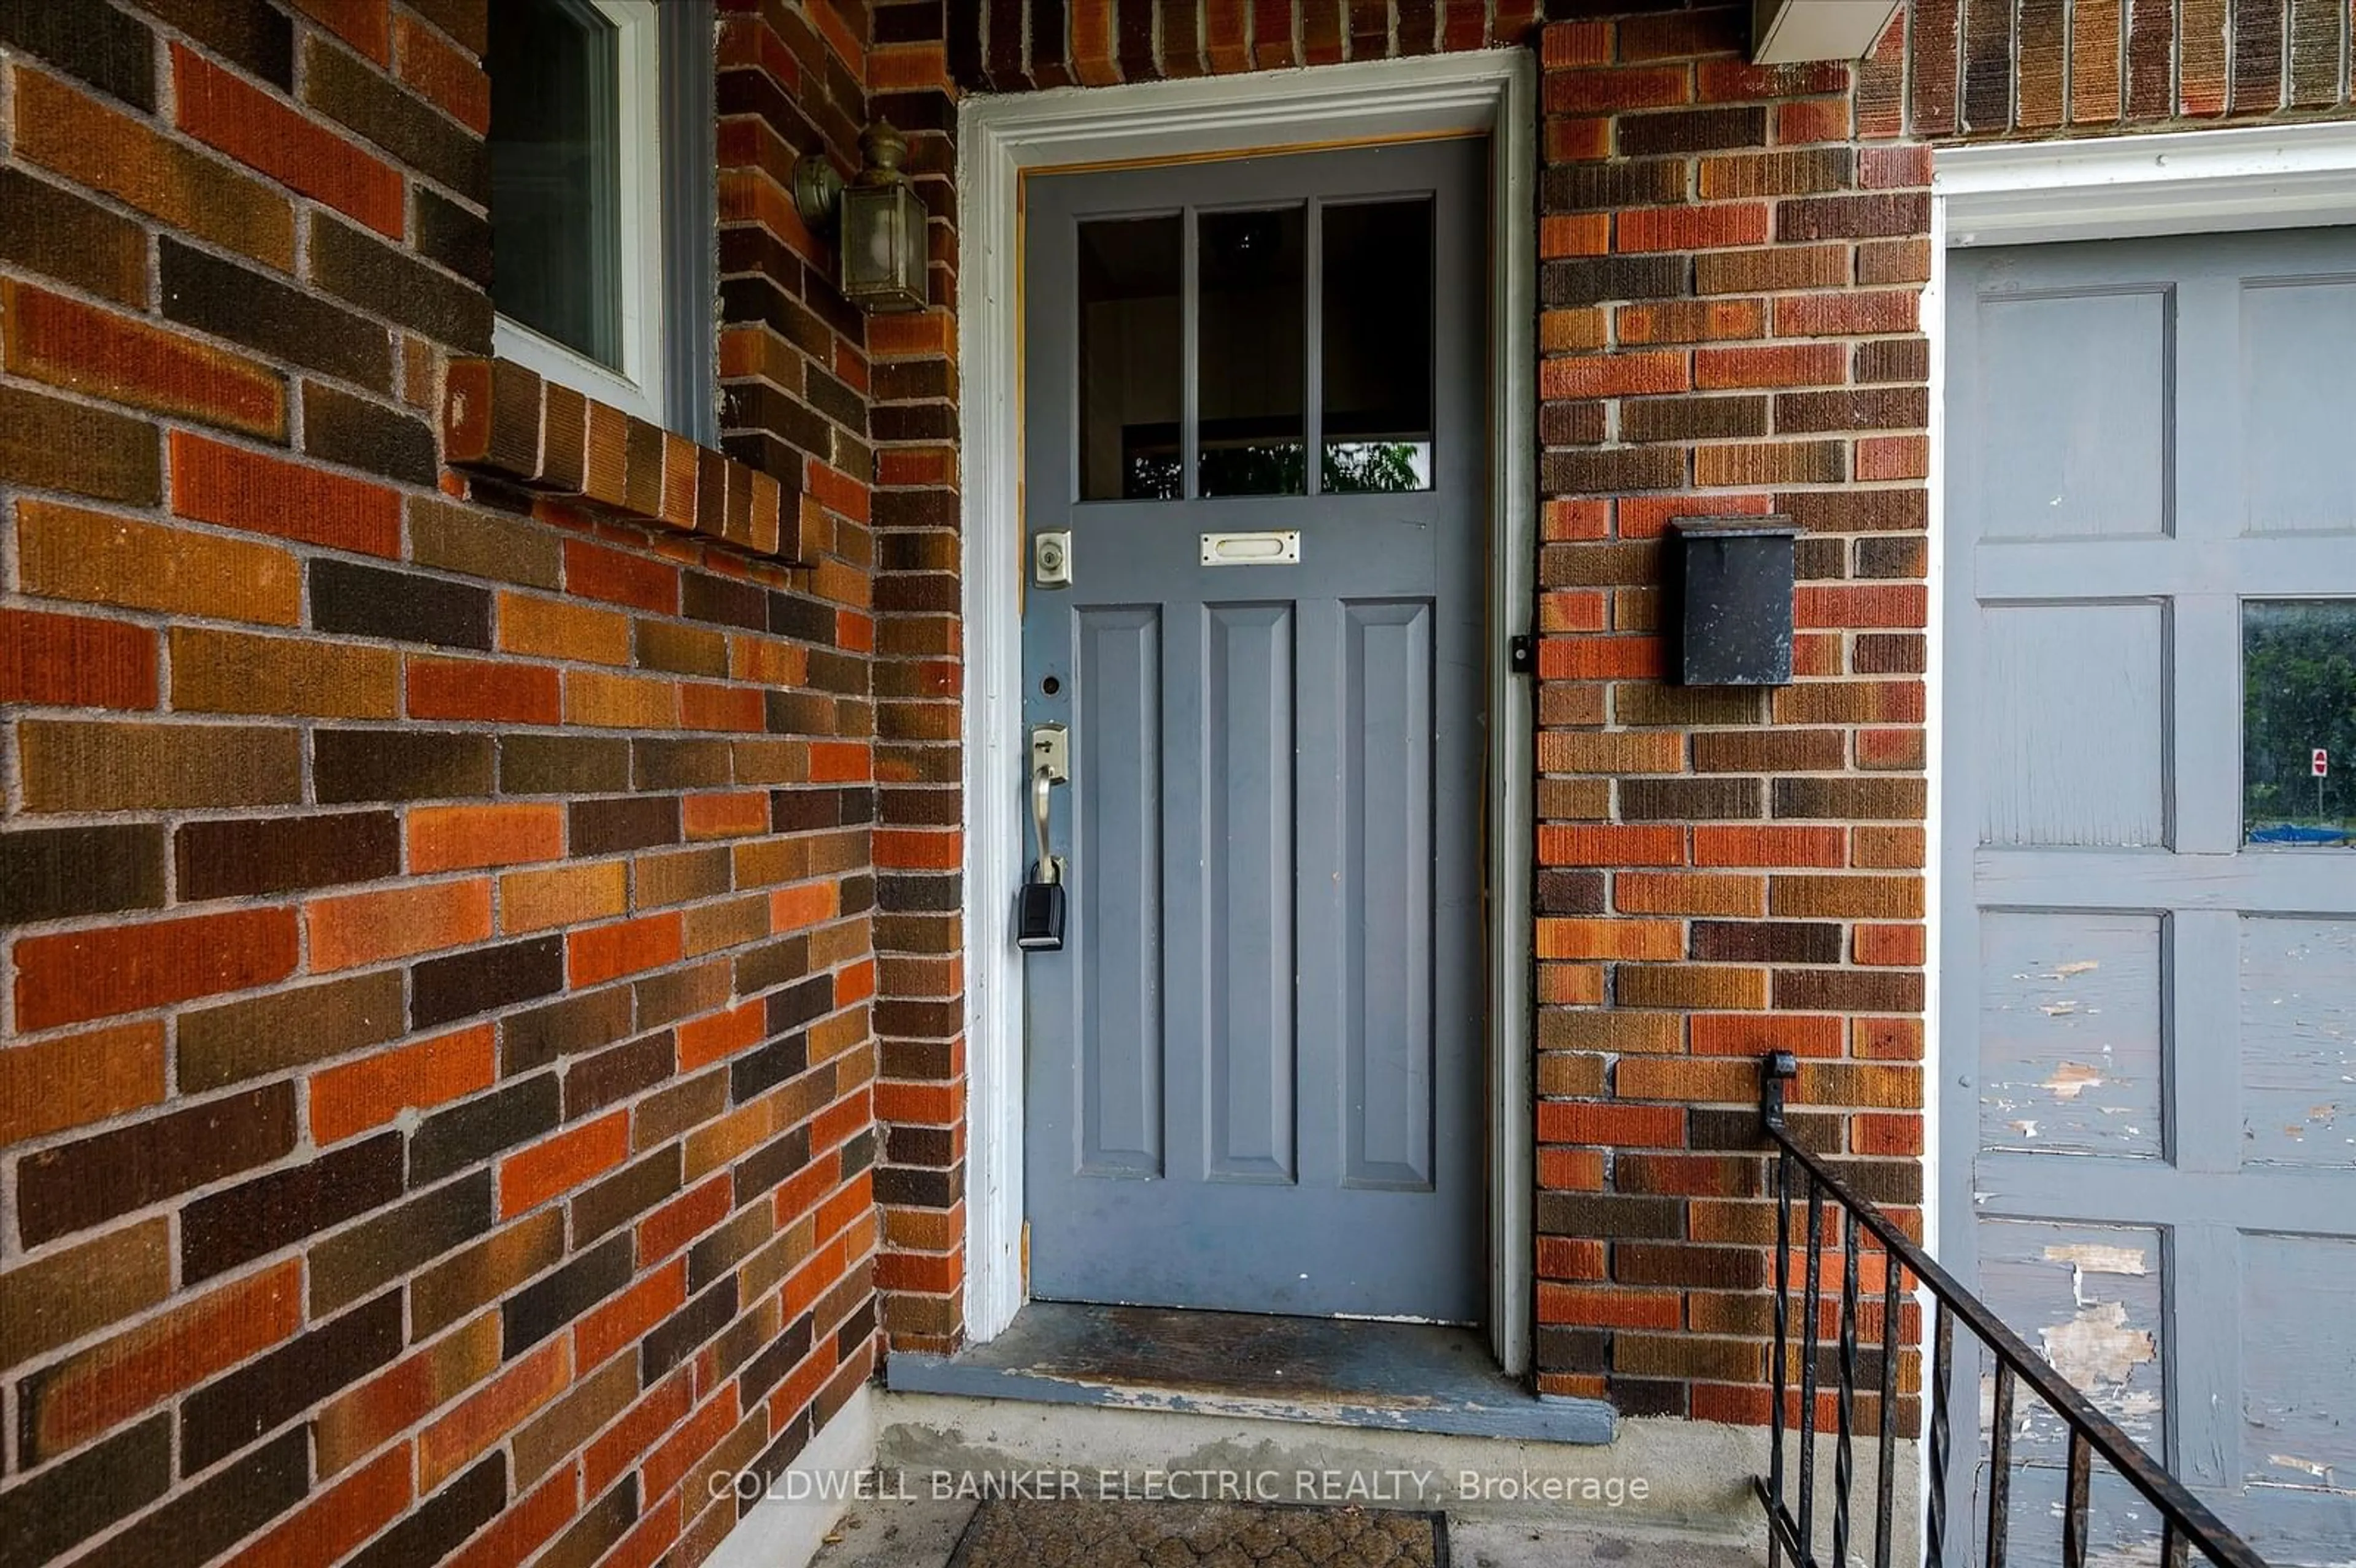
pixel 882 247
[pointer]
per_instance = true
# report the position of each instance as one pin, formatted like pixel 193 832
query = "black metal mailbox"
pixel 1731 585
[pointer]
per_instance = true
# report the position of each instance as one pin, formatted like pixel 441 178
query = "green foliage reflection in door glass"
pixel 1375 467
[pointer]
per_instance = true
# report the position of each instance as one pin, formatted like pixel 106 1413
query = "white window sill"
pixel 569 368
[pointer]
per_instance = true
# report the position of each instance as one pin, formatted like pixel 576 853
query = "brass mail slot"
pixel 1277 546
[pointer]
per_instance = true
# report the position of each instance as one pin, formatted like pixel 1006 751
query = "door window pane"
pixel 1252 320
pixel 556 182
pixel 1376 353
pixel 2298 723
pixel 1131 329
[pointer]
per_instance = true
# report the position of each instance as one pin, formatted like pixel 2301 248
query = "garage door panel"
pixel 2298 1043
pixel 2150 976
pixel 2301 1526
pixel 2071 699
pixel 2299 1444
pixel 2299 466
pixel 2089 1296
pixel 2122 1530
pixel 2070 1033
pixel 2075 395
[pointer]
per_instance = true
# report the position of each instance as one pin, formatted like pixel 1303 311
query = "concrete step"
pixel 1399 1377
pixel 895 1476
pixel 1690 1478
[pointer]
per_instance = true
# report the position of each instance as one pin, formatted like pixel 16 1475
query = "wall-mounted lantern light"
pixel 880 245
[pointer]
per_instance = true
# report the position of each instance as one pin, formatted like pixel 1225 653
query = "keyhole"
pixel 1050 685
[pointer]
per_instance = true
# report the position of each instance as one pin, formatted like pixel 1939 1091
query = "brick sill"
pixel 505 422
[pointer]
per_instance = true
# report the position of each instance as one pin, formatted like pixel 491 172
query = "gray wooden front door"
pixel 1254 1069
pixel 2149 965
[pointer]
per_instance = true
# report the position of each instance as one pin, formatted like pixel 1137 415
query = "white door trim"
pixel 1489 92
pixel 2118 188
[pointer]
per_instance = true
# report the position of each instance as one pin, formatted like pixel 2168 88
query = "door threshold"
pixel 1394 1377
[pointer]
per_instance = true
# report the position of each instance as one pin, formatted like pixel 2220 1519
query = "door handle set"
pixel 1049 865
pixel 1039 914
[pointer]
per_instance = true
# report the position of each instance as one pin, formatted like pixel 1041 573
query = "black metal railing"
pixel 1792 1524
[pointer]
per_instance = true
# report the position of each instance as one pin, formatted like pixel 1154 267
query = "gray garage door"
pixel 2149 958
pixel 1253 401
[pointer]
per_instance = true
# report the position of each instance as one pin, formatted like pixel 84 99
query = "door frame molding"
pixel 2106 187
pixel 1000 139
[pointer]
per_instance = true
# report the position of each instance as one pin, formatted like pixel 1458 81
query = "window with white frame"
pixel 601 200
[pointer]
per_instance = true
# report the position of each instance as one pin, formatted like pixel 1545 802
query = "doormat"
pixel 1034 1533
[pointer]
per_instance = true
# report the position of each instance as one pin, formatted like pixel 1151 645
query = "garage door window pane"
pixel 2298 723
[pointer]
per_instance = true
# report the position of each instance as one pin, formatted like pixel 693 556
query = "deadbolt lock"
pixel 1051 558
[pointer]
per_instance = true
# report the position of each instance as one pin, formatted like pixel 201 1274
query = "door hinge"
pixel 1522 654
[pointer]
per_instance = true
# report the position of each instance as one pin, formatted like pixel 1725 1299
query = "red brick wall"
pixel 482 984
pixel 920 1099
pixel 1730 260
pixel 1011 46
pixel 2047 67
pixel 436 1098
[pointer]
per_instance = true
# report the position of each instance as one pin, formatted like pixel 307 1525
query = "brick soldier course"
pixel 482 995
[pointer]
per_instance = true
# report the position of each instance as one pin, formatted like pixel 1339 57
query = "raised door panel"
pixel 1116 913
pixel 1247 850
pixel 1387 895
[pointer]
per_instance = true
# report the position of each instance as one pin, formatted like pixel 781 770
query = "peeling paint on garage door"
pixel 2149 949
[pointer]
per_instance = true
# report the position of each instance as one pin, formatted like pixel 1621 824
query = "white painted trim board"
pixel 780 1531
pixel 2118 188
